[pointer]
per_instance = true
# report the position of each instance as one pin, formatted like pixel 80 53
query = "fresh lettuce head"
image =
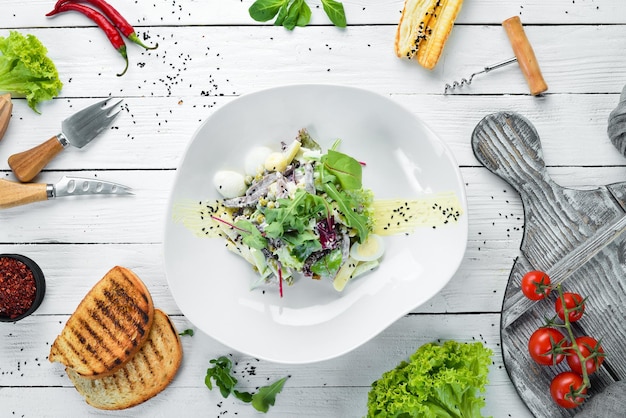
pixel 26 70
pixel 438 381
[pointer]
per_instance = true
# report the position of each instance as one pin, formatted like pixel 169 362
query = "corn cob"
pixel 424 29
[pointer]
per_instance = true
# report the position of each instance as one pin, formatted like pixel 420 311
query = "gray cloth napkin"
pixel 617 124
pixel 610 403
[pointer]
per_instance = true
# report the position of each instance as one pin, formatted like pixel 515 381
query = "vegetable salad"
pixel 298 211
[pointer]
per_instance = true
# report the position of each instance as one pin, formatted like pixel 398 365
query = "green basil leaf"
pixel 292 14
pixel 304 17
pixel 335 12
pixel 264 10
pixel 282 13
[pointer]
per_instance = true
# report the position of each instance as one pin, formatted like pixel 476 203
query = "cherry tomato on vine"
pixel 574 304
pixel 535 285
pixel 567 389
pixel 587 346
pixel 546 346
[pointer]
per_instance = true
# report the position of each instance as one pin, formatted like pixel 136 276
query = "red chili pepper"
pixel 107 27
pixel 114 16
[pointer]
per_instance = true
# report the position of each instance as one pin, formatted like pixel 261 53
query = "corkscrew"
pixel 524 56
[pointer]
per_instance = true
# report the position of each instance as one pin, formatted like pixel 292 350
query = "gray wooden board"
pixel 573 234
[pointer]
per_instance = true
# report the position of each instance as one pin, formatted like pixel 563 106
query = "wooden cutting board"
pixel 577 236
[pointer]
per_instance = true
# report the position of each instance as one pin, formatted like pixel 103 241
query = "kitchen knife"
pixel 16 194
pixel 77 130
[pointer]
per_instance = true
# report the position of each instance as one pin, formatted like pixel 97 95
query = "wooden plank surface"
pixel 576 237
pixel 211 52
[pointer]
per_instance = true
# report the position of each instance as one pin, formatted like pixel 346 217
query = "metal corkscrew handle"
pixel 524 56
pixel 468 81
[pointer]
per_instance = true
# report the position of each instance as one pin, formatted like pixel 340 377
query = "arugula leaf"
pixel 266 396
pixel 264 10
pixel 252 237
pixel 347 205
pixel 293 214
pixel 335 12
pixel 188 331
pixel 221 373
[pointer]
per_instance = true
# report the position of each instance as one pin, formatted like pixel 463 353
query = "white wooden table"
pixel 210 52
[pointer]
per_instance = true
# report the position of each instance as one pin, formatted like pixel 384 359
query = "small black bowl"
pixel 40 286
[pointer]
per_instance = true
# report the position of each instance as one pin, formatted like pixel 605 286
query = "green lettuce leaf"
pixel 26 70
pixel 438 381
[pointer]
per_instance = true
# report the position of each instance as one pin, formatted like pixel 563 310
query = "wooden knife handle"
pixel 6 107
pixel 16 194
pixel 525 55
pixel 27 164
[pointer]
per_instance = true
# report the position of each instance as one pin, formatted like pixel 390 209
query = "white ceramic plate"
pixel 313 322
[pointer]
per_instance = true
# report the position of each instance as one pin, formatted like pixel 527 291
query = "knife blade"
pixel 77 130
pixel 15 194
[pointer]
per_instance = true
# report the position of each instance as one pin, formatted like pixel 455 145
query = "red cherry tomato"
pixel 535 285
pixel 587 346
pixel 545 346
pixel 574 303
pixel 567 389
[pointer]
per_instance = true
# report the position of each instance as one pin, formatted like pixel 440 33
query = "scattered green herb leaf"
pixel 292 13
pixel 264 10
pixel 335 12
pixel 221 373
pixel 266 396
pixel 188 331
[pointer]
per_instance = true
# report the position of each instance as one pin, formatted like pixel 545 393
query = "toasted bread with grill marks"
pixel 143 377
pixel 109 326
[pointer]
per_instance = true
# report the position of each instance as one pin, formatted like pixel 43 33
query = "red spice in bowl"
pixel 22 287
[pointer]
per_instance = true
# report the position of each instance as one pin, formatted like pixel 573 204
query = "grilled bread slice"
pixel 109 326
pixel 143 377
